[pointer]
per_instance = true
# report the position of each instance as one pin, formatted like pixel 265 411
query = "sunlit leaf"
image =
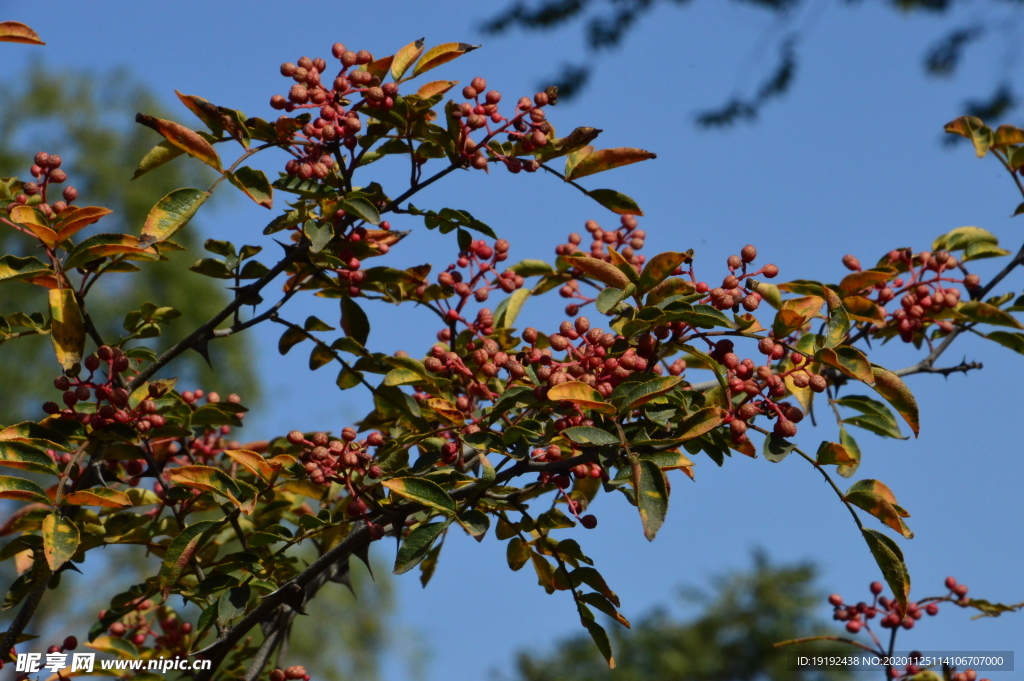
pixel 60 540
pixel 171 213
pixel 67 330
pixel 606 159
pixel 189 141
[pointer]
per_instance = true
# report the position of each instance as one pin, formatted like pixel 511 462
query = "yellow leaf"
pixel 67 331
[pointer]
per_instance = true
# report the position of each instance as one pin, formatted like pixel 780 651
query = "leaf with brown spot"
pixel 404 58
pixel 447 410
pixel 189 141
pixel 599 269
pixel 441 54
pixel 17 32
pixel 606 159
pixel 67 330
pixel 60 540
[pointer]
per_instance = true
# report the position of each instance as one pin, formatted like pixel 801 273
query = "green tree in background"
pixel 89 121
pixel 730 639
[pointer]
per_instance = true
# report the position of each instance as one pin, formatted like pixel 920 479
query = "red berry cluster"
pixel 147 621
pixel 626 240
pixel 46 170
pixel 328 460
pixel 762 385
pixel 734 291
pixel 111 400
pixel 293 673
pixel 895 616
pixel 924 293
pixel 479 277
pixel 528 127
pixel 315 145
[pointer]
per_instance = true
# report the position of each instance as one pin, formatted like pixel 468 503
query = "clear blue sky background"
pixel 850 161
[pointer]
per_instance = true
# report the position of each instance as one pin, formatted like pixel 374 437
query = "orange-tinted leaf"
pixel 858 281
pixel 878 500
pixel 34 221
pixel 254 184
pixel 606 159
pixel 380 67
pixel 74 219
pixel 1008 134
pixel 264 468
pixel 98 496
pixel 863 310
pixel 404 58
pixel 896 393
pixel 582 394
pixel 204 111
pixel 17 32
pixel 833 453
pixel 105 245
pixel 436 87
pixel 67 331
pixel 973 129
pixel 794 313
pixel 441 54
pixel 600 270
pixel 189 141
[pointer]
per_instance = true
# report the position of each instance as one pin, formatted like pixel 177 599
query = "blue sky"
pixel 849 161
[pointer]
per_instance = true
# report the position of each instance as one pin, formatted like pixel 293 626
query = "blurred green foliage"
pixel 731 639
pixel 89 121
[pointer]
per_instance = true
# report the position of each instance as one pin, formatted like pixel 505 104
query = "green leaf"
pixel 652 498
pixel 156 157
pixel 633 394
pixel 354 321
pixel 985 313
pixel 211 267
pixel 171 213
pixel 179 553
pixel 417 545
pixel 231 604
pixel 700 316
pixel 320 355
pixel 853 449
pixel 422 491
pixel 1014 341
pixel 60 540
pixel 13 268
pixel 896 393
pixel 517 553
pixel 701 422
pixel 776 448
pixel 362 209
pixel 319 234
pixel 890 561
pixel 838 327
pixel 848 360
pixel 659 268
pixel 616 202
pixel 253 269
pixel 254 184
pixel 606 159
pixel 608 298
pixel 588 435
pixel 600 637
